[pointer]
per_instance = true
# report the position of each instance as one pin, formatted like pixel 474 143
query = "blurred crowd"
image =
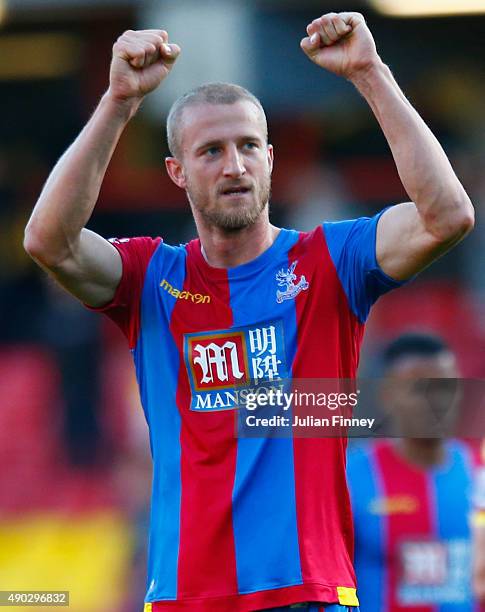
pixel 75 478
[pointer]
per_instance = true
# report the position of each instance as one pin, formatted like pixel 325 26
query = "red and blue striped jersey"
pixel 245 524
pixel 412 534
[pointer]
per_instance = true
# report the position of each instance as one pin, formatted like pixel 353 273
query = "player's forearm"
pixel 71 191
pixel 423 167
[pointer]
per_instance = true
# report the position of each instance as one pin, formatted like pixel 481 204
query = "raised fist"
pixel 340 42
pixel 141 60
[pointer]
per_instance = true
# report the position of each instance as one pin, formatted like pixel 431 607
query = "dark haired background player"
pixel 242 524
pixel 411 496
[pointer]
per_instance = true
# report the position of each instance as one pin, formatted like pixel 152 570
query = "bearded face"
pixel 234 205
pixel 226 164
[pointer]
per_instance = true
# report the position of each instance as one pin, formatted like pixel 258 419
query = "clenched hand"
pixel 141 60
pixel 341 43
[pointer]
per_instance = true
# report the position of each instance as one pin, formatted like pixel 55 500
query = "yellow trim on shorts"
pixel 347 596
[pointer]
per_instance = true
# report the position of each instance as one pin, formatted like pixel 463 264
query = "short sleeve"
pixel 352 247
pixel 124 308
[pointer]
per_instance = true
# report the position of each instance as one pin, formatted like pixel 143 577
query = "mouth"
pixel 236 191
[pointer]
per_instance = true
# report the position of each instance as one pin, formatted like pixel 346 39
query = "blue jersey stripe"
pixel 452 492
pixel 365 488
pixel 156 352
pixel 264 507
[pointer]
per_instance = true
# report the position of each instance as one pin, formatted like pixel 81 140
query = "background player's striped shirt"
pixel 412 530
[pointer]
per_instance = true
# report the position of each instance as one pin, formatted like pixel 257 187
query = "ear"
pixel 175 171
pixel 270 153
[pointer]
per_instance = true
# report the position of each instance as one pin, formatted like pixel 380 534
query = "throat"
pixel 237 248
pixel 422 452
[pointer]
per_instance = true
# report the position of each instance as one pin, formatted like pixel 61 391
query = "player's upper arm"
pixel 404 246
pixel 91 271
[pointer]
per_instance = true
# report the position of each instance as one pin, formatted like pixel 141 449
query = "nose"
pixel 234 163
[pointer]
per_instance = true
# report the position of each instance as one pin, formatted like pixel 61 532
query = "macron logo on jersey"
pixel 396 504
pixel 178 294
pixel 119 240
pixel 224 366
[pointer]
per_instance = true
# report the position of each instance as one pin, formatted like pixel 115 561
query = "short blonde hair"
pixel 211 93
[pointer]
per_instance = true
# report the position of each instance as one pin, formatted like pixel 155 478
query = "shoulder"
pixel 139 251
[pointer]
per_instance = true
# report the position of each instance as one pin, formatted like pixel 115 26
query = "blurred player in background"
pixel 411 496
pixel 246 524
pixel 479 531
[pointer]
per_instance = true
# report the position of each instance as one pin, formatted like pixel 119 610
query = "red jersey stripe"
pixel 324 341
pixel 208 456
pixel 400 480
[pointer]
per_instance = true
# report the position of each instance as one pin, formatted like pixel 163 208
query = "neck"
pixel 228 249
pixel 422 452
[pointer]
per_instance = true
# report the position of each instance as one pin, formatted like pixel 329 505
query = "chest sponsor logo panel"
pixel 434 572
pixel 224 366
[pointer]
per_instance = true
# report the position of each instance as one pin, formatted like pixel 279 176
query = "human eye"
pixel 251 145
pixel 212 151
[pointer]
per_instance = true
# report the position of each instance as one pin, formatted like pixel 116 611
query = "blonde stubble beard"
pixel 231 221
